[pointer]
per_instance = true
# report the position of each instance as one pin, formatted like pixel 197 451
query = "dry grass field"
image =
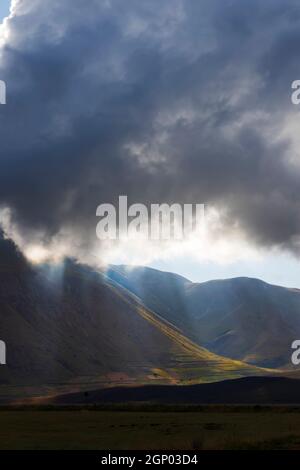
pixel 191 429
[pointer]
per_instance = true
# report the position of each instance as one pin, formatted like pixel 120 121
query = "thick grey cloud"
pixel 164 101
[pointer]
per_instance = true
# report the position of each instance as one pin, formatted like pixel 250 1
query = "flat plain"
pixel 212 428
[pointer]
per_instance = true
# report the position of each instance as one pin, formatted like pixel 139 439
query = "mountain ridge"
pixel 67 324
pixel 242 318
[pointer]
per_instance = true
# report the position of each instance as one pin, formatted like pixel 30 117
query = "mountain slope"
pixel 241 318
pixel 68 324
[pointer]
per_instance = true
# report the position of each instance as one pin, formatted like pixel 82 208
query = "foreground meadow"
pixel 198 429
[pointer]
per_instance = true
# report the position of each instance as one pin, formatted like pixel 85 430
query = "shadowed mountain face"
pixel 241 318
pixel 64 324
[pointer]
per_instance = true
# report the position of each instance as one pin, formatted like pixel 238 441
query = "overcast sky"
pixel 165 101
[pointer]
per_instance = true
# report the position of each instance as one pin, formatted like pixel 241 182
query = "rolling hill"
pixel 246 391
pixel 242 318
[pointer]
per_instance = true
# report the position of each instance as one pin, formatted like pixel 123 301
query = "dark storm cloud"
pixel 164 101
